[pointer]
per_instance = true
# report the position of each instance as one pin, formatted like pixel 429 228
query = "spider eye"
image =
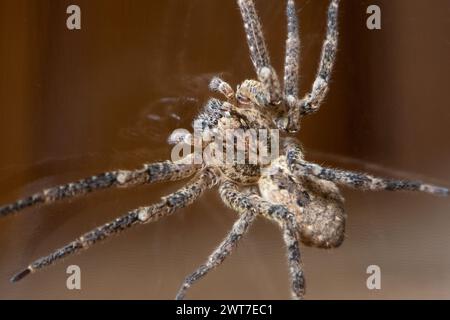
pixel 242 99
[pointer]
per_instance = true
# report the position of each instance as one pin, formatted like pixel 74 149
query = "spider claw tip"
pixel 443 192
pixel 20 275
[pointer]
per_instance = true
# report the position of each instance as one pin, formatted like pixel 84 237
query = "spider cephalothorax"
pixel 302 197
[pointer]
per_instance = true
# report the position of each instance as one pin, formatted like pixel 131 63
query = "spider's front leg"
pixel 291 65
pixel 300 167
pixel 150 173
pixel 292 55
pixel 205 179
pixel 218 85
pixel 250 91
pixel 258 51
pixel 312 101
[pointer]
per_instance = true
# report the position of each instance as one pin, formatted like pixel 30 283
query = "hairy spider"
pixel 302 197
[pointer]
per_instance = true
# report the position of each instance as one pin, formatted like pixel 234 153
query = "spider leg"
pixel 155 172
pixel 312 101
pixel 291 63
pixel 241 203
pixel 291 237
pixel 249 205
pixel 291 240
pixel 218 85
pixel 356 180
pixel 205 179
pixel 213 111
pixel 258 51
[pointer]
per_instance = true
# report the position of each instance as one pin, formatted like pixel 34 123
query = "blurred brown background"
pixel 75 103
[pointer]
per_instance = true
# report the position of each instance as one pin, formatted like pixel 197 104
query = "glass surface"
pixel 76 103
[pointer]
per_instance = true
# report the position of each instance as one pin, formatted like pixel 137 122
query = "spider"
pixel 301 197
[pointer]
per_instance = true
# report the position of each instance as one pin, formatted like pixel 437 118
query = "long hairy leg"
pixel 241 203
pixel 292 56
pixel 205 179
pixel 289 226
pixel 312 101
pixel 258 51
pixel 292 242
pixel 155 172
pixel 249 205
pixel 291 65
pixel 357 180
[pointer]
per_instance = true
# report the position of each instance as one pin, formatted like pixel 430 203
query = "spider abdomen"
pixel 322 220
pixel 317 204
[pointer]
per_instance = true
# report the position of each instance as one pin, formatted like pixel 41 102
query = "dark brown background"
pixel 75 103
